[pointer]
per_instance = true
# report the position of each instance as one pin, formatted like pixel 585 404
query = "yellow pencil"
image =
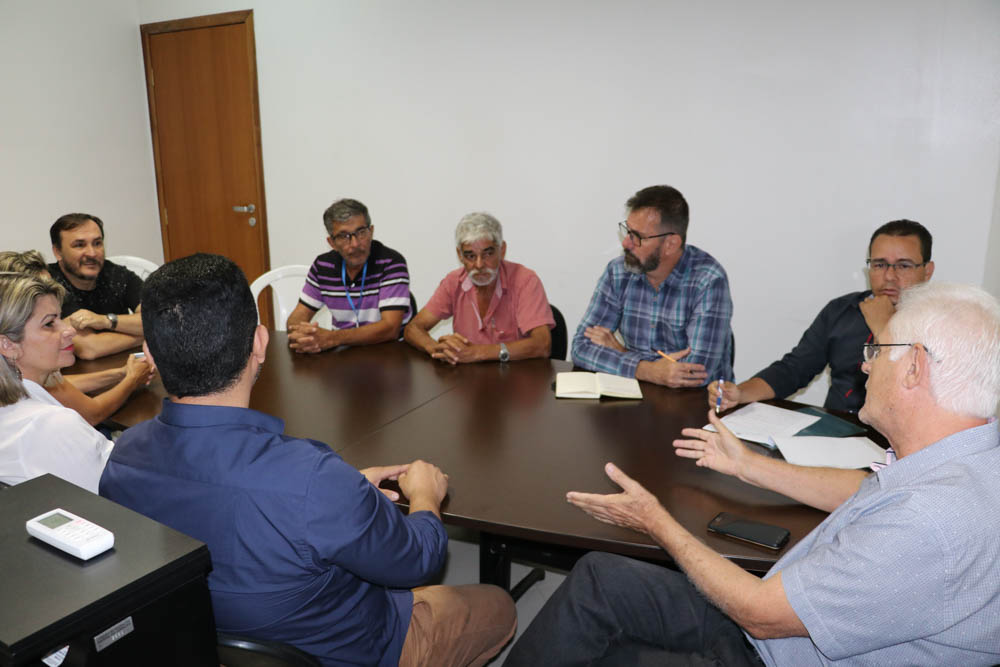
pixel 666 356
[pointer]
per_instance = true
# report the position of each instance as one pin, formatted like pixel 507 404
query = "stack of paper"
pixel 855 452
pixel 760 422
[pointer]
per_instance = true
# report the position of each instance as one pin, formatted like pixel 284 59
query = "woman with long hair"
pixel 39 435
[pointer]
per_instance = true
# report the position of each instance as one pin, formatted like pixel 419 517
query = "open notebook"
pixel 583 384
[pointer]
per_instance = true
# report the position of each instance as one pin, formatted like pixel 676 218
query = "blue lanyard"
pixel 347 290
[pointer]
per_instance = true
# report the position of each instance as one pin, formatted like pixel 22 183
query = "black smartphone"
pixel 754 532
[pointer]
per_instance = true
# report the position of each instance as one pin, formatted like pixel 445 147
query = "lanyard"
pixel 347 290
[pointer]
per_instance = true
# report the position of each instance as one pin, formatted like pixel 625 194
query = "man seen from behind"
pixel 305 549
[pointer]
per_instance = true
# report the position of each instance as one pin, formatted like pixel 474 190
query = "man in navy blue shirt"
pixel 305 549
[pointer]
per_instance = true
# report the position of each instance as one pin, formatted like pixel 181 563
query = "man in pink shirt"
pixel 499 308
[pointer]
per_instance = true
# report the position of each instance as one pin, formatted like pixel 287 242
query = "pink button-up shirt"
pixel 518 305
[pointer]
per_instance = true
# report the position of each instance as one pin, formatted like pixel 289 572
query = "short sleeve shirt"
pixel 117 290
pixel 384 284
pixel 518 305
pixel 907 570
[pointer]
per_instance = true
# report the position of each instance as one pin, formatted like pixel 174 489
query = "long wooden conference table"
pixel 511 449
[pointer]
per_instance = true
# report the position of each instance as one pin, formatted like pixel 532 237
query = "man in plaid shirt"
pixel 670 302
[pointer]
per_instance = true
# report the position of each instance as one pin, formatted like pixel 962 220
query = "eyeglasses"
pixel 362 234
pixel 881 266
pixel 870 350
pixel 624 231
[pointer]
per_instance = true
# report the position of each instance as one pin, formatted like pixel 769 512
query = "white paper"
pixel 617 386
pixel 763 423
pixel 814 450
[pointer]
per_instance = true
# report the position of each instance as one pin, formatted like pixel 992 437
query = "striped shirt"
pixel 692 308
pixel 386 287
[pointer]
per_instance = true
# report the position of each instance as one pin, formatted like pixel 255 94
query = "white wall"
pixel 74 126
pixel 794 129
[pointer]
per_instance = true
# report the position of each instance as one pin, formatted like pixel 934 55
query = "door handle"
pixel 249 208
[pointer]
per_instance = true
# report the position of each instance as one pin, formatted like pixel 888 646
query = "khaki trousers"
pixel 458 625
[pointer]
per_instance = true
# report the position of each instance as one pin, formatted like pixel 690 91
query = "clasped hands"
pixel 639 510
pixel 454 349
pixel 309 338
pixel 419 480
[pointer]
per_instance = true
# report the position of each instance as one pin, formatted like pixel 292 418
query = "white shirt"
pixel 39 435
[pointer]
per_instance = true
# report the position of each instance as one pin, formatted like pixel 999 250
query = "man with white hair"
pixel 904 571
pixel 499 308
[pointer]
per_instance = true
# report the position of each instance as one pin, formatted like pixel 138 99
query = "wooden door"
pixel 201 81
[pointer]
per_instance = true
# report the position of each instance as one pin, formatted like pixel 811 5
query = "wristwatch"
pixel 504 353
pixel 113 319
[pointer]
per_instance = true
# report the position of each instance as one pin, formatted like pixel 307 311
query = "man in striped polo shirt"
pixel 363 283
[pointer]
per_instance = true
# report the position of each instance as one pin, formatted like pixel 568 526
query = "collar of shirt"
pixel 188 415
pixel 957 445
pixel 501 280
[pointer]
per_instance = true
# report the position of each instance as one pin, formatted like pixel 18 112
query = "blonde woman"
pixel 38 435
pixel 72 390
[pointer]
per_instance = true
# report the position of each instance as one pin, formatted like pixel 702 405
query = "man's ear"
pixel 149 357
pixel 57 252
pixel 329 242
pixel 260 340
pixel 503 251
pixel 919 367
pixel 928 270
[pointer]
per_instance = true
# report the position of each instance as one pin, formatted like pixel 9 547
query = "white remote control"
pixel 74 535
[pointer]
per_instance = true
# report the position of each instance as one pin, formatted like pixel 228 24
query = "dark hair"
pixel 906 228
pixel 199 319
pixel 71 221
pixel 344 209
pixel 670 204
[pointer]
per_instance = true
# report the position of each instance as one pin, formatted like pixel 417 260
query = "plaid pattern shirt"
pixel 692 308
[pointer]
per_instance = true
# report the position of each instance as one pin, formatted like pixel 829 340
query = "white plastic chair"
pixel 141 267
pixel 286 285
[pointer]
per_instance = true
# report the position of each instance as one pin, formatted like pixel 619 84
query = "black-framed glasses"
pixel 637 239
pixel 870 350
pixel 361 234
pixel 881 266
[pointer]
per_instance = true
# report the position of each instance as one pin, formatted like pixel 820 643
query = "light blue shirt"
pixel 907 570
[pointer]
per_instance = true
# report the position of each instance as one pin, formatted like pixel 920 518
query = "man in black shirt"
pixel 899 256
pixel 102 298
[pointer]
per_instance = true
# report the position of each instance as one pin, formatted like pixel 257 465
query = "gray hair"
pixel 342 210
pixel 18 294
pixel 959 325
pixel 476 226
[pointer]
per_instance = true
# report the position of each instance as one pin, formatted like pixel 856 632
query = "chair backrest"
pixel 137 265
pixel 286 285
pixel 237 651
pixel 559 339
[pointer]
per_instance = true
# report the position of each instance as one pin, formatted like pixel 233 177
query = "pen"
pixel 666 356
pixel 718 398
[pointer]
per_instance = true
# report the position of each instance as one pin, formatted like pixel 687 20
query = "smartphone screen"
pixel 762 534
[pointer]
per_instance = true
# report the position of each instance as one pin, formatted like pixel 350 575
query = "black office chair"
pixel 235 651
pixel 559 335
